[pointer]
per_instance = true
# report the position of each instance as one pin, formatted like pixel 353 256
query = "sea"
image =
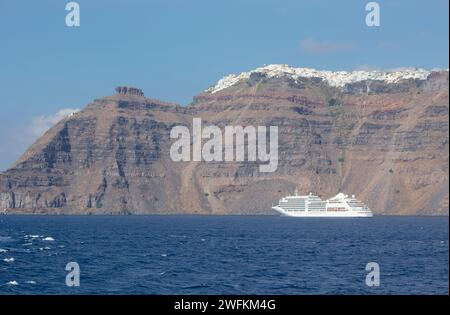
pixel 223 255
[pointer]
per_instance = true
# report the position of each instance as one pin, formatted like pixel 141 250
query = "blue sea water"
pixel 223 254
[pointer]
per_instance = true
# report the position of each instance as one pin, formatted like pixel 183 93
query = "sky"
pixel 174 49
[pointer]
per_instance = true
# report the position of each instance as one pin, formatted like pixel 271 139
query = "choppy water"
pixel 223 254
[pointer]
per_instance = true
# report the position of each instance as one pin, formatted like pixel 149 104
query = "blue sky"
pixel 175 49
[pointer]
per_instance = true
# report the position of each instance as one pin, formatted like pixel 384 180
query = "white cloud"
pixel 323 47
pixel 14 142
pixel 40 124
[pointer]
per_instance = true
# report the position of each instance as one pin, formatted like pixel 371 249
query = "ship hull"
pixel 325 214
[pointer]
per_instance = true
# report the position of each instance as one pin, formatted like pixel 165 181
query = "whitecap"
pixel 3 250
pixel 164 255
pixel 31 236
pixel 8 259
pixel 5 238
pixel 27 244
pixel 14 282
pixel 30 282
pixel 48 238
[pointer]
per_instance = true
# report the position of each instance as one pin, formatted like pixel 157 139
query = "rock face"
pixel 125 90
pixel 384 141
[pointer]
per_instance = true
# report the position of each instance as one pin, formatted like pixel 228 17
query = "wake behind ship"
pixel 311 205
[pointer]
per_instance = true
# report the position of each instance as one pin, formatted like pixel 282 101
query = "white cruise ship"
pixel 311 205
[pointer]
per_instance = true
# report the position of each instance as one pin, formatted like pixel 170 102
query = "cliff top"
pixel 127 90
pixel 333 78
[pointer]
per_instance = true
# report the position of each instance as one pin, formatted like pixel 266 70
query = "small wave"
pixel 31 236
pixel 14 282
pixel 5 238
pixel 30 282
pixel 3 250
pixel 164 255
pixel 8 259
pixel 27 244
pixel 195 286
pixel 48 238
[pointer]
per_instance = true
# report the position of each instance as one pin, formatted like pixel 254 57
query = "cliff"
pixel 383 137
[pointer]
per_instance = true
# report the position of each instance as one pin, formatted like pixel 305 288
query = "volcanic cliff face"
pixel 381 136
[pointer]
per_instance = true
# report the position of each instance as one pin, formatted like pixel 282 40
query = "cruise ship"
pixel 311 205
